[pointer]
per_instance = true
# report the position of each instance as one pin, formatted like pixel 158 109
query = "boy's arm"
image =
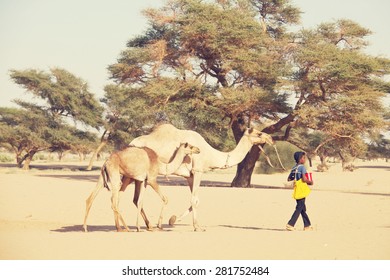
pixel 307 181
pixel 304 178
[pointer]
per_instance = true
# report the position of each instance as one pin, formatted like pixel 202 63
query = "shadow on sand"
pixel 105 228
pixel 252 228
pixel 387 168
pixel 162 181
pixel 62 167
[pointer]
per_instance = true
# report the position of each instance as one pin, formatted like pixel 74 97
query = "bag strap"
pixel 296 171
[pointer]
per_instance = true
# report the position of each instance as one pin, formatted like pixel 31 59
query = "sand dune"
pixel 41 212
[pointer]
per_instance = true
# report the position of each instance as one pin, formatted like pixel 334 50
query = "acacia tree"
pixel 235 62
pixel 63 95
pixel 212 65
pixel 339 87
pixel 23 132
pixel 45 125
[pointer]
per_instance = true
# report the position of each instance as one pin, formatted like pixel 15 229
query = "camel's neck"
pixel 170 168
pixel 225 160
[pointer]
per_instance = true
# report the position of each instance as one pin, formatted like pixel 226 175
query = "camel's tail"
pixel 106 177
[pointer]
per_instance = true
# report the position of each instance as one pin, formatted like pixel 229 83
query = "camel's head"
pixel 257 137
pixel 189 149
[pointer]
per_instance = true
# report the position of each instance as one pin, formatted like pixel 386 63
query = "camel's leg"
pixel 156 188
pixel 137 190
pixel 91 198
pixel 125 182
pixel 174 219
pixel 138 199
pixel 120 215
pixel 195 200
pixel 116 186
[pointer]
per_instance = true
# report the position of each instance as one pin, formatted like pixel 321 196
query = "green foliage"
pixel 5 158
pixel 378 148
pixel 200 65
pixel 65 95
pixel 286 153
pixel 45 125
pixel 339 88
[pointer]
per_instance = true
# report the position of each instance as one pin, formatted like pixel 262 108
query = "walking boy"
pixel 299 172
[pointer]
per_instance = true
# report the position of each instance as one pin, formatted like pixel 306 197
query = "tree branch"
pixel 278 125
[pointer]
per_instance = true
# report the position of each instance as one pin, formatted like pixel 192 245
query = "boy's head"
pixel 300 157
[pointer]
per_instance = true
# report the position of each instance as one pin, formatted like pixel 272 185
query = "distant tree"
pixel 379 147
pixel 337 86
pixel 63 95
pixel 46 124
pixel 84 143
pixel 24 132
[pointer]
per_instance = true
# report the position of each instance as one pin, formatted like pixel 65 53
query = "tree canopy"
pixel 46 124
pixel 237 62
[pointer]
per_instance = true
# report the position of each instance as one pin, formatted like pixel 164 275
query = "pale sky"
pixel 85 36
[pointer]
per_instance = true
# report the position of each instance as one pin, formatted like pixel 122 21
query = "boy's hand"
pixel 306 180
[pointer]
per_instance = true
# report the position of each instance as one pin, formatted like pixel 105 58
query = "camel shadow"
pixel 79 228
pixel 104 228
pixel 251 228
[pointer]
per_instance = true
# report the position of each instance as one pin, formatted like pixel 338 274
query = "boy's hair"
pixel 298 156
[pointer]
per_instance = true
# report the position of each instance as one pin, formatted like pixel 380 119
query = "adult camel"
pixel 164 140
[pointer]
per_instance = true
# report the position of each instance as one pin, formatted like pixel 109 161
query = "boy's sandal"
pixel 290 228
pixel 309 228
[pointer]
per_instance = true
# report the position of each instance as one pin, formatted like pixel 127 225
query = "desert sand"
pixel 41 212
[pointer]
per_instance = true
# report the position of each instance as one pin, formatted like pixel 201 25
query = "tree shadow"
pixel 71 167
pixel 81 177
pixel 252 228
pixel 387 168
pixel 366 193
pixel 179 181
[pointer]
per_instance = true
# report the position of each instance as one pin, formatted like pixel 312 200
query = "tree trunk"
pixel 245 168
pixel 27 159
pixel 26 164
pixel 310 161
pixel 95 153
pixel 323 159
pixel 19 160
pixel 60 155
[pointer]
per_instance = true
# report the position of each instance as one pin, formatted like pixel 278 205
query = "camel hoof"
pixel 172 220
pixel 199 229
pixel 85 229
pixel 151 229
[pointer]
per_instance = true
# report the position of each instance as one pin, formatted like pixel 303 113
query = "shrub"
pixel 6 158
pixel 322 168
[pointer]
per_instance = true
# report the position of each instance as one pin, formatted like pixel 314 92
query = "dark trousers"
pixel 300 210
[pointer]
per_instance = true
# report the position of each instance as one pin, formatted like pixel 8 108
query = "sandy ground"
pixel 41 212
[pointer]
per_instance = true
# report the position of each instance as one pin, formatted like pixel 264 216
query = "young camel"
pixel 165 137
pixel 141 165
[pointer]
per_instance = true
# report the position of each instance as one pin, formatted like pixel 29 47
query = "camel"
pixel 166 137
pixel 141 165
